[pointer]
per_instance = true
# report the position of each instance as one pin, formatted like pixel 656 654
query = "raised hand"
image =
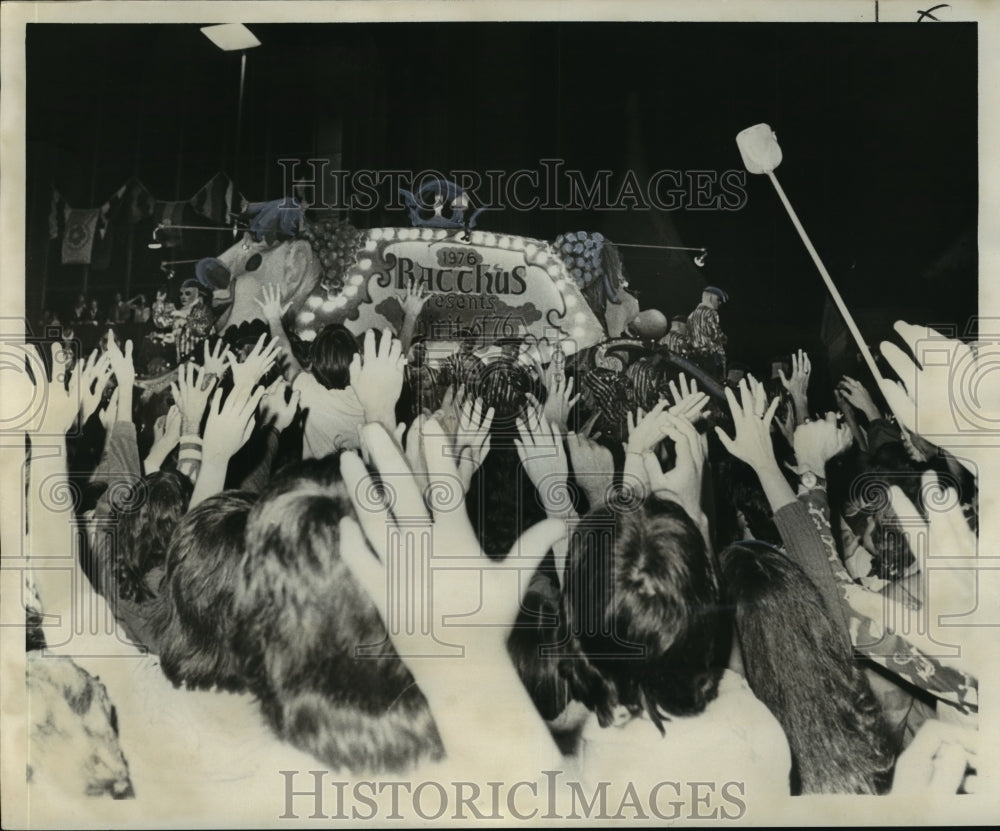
pixel 191 397
pixel 276 410
pixel 412 442
pixel 214 361
pixel 483 594
pixel 447 414
pixel 935 763
pixel 377 378
pixel 499 598
pixel 689 402
pixel 170 427
pixel 414 299
pixel 646 430
pixel 952 591
pixel 124 371
pixel 256 364
pixel 61 399
pixel 930 397
pixel 230 423
pixel 166 435
pixel 798 384
pixel 560 400
pixel 818 441
pixel 752 443
pixel 786 425
pixel 270 303
pixel 593 463
pixel 682 483
pixel 94 375
pixel 541 451
pixel 858 397
pixel 472 440
pixel 109 414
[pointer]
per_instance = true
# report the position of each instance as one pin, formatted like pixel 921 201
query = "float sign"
pixel 494 285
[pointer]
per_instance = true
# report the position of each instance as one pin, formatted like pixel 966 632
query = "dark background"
pixel 877 123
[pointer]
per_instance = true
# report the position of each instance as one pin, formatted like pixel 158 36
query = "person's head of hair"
pixel 313 644
pixel 534 642
pixel 800 667
pixel 642 604
pixel 197 615
pixel 502 502
pixel 144 529
pixel 889 465
pixel 331 354
pixel 748 498
pixel 468 340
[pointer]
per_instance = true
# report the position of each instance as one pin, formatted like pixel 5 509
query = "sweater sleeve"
pixel 257 478
pixel 120 463
pixel 890 650
pixel 806 547
pixel 123 470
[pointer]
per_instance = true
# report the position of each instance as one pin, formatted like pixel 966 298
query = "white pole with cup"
pixel 761 154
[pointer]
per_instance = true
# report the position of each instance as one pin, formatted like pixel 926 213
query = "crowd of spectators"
pixel 682 581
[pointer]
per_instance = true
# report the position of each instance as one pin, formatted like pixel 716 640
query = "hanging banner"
pixel 57 215
pixel 215 199
pixel 78 239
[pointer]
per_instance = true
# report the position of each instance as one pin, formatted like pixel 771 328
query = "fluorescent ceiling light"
pixel 231 36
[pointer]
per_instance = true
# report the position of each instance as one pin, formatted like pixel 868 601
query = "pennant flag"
pixel 167 214
pixel 137 201
pixel 110 209
pixel 57 215
pixel 78 239
pixel 215 199
pixel 103 242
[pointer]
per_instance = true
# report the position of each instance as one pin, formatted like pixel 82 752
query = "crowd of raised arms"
pixel 334 555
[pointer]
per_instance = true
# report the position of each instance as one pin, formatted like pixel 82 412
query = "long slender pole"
pixel 239 114
pixel 848 318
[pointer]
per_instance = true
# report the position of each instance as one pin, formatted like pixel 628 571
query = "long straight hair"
pixel 795 663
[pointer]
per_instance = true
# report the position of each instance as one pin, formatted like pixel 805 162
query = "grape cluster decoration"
pixel 594 264
pixel 581 252
pixel 336 244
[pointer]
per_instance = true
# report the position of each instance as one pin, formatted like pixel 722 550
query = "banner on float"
pixel 493 286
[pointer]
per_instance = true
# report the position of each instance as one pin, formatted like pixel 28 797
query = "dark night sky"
pixel 877 124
